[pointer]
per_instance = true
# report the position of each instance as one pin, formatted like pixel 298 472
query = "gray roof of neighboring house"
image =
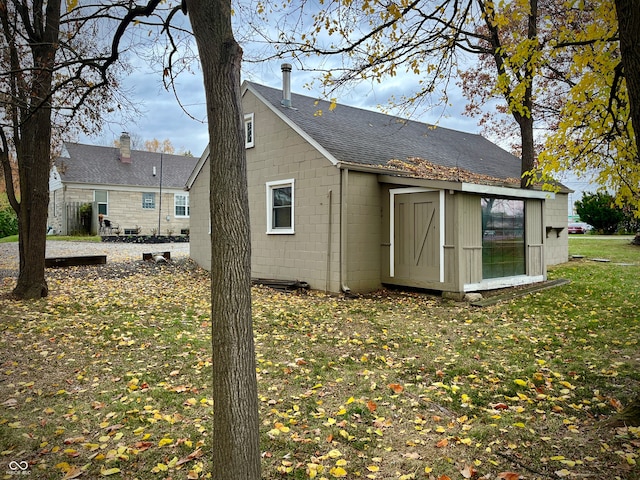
pixel 365 137
pixel 102 166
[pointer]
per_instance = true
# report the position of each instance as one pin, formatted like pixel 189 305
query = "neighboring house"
pixel 349 200
pixel 132 191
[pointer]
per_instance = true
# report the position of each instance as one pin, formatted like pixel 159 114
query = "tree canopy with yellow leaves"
pixel 549 69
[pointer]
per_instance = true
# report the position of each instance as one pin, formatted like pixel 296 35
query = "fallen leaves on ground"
pixel 110 377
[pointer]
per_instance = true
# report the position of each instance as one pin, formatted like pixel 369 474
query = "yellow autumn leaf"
pixel 64 466
pixel 519 381
pixel 334 453
pixel 109 471
pixel 71 4
pixel 338 472
pixel 160 467
pixel 373 468
pixel 165 441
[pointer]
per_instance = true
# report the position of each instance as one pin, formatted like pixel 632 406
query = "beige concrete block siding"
pixel 363 231
pixel 555 215
pixel 281 154
pixel 125 209
pixel 199 240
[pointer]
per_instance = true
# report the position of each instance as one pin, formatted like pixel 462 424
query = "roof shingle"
pixel 365 137
pixel 102 166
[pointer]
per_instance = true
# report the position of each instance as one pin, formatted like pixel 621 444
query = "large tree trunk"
pixel 528 150
pixel 628 12
pixel 236 449
pixel 33 152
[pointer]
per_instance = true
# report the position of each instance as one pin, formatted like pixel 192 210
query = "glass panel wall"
pixel 503 247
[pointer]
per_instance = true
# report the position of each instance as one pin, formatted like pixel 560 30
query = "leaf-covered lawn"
pixel 110 376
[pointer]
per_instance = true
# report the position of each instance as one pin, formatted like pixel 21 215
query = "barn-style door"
pixel 417 236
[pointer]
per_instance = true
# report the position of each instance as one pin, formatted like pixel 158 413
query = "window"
pixel 148 200
pixel 101 197
pixel 280 206
pixel 503 248
pixel 248 131
pixel 181 204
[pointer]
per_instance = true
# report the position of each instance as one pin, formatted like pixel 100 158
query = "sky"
pixel 164 117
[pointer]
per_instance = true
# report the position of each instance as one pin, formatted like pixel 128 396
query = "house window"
pixel 101 197
pixel 503 247
pixel 248 131
pixel 149 200
pixel 280 206
pixel 181 205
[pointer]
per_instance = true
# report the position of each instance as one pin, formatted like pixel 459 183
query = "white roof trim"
pixel 197 168
pixel 247 86
pixel 507 191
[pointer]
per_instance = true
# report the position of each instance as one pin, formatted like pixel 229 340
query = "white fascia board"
pixel 506 191
pixel 293 125
pixel 196 170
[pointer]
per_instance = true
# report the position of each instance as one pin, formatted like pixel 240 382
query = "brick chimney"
pixel 286 85
pixel 125 148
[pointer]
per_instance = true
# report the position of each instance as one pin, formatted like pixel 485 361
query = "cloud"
pixel 162 117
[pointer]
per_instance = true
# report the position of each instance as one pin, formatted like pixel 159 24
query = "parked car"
pixel 579 228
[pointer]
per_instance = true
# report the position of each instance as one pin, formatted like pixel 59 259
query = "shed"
pixel 348 199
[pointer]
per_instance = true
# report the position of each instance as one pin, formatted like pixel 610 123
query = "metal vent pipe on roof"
pixel 286 85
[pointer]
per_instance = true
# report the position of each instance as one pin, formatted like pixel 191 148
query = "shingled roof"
pixel 358 136
pixel 97 165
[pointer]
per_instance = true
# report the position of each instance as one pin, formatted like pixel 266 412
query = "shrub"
pixel 600 211
pixel 8 222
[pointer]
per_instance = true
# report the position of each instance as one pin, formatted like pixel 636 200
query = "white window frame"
pixel 186 205
pixel 106 204
pixel 249 126
pixel 271 186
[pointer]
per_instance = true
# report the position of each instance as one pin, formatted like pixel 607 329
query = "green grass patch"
pixel 58 238
pixel 115 373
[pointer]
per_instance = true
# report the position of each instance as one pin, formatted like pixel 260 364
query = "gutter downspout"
pixel 328 271
pixel 344 188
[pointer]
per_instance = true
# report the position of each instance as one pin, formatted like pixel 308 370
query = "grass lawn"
pixel 110 377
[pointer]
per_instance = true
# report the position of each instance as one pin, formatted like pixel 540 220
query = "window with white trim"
pixel 101 197
pixel 249 138
pixel 280 206
pixel 181 205
pixel 149 200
